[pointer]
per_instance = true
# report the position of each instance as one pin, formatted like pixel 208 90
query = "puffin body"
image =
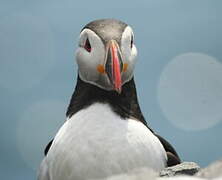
pixel 97 143
pixel 105 132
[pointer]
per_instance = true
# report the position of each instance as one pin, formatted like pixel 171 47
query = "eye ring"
pixel 87 45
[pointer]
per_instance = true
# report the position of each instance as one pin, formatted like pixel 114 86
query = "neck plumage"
pixel 124 104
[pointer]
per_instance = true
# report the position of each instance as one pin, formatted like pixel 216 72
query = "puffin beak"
pixel 114 65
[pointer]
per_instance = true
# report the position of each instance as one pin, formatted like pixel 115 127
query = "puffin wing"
pixel 48 147
pixel 172 156
pixel 43 173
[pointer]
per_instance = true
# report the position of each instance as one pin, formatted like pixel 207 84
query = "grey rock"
pixel 214 170
pixel 185 168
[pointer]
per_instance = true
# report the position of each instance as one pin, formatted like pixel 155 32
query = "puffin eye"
pixel 87 45
pixel 131 42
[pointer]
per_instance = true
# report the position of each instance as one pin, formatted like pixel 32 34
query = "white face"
pixel 91 57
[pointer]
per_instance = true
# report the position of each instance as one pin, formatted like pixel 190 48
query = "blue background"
pixel 38 71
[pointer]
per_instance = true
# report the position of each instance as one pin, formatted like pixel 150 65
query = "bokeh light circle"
pixel 26 51
pixel 190 91
pixel 37 125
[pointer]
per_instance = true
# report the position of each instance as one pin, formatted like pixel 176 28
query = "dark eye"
pixel 131 42
pixel 87 45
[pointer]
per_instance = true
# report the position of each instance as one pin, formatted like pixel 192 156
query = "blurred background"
pixel 178 74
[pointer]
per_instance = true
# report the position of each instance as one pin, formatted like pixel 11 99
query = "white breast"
pixel 96 143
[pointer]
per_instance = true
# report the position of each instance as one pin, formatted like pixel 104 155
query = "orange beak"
pixel 114 65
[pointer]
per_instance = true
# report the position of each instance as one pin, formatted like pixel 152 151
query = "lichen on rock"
pixel 185 168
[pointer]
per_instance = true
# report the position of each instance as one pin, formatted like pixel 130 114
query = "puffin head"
pixel 106 54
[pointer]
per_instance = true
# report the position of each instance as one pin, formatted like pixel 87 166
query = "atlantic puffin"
pixel 105 132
